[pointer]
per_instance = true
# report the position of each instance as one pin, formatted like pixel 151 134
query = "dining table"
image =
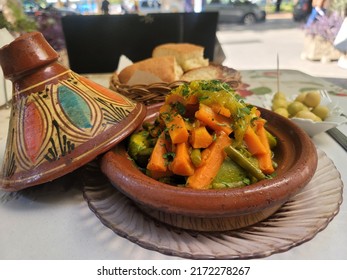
pixel 64 220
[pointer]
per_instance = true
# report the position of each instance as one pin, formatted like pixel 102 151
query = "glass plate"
pixel 298 221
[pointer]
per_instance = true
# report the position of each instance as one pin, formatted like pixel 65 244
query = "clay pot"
pixel 59 120
pixel 219 209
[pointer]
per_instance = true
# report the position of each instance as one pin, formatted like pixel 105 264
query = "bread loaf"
pixel 175 62
pixel 212 72
pixel 165 68
pixel 188 56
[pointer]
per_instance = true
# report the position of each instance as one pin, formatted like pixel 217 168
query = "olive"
pixel 279 103
pixel 321 111
pixel 295 107
pixel 282 111
pixel 312 99
pixel 279 95
pixel 301 97
pixel 308 115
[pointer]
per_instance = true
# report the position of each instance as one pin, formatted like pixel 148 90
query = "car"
pixel 87 7
pixel 236 11
pixel 59 12
pixel 302 10
pixel 31 8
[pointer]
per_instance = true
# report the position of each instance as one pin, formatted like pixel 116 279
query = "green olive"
pixel 301 97
pixel 312 99
pixel 321 111
pixel 295 107
pixel 282 111
pixel 279 95
pixel 308 115
pixel 279 103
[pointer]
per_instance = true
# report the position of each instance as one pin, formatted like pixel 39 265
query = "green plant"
pixel 339 6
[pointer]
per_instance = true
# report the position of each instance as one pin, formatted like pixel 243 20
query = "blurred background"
pixel 245 28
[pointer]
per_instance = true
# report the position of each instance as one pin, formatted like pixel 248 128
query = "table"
pixel 54 221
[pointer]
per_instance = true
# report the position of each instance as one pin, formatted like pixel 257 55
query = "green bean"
pixel 195 156
pixel 272 139
pixel 241 160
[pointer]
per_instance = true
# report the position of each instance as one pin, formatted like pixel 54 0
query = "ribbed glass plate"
pixel 298 221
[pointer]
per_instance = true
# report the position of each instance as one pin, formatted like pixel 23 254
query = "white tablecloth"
pixel 56 223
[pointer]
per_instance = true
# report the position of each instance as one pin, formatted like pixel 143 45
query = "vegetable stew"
pixel 205 136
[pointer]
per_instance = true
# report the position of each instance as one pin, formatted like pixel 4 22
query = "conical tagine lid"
pixel 59 120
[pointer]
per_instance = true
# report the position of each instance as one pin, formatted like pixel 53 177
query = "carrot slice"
pixel 200 137
pixel 212 159
pixel 157 161
pixel 182 164
pixel 265 160
pixel 254 145
pixel 174 98
pixel 221 110
pixel 175 124
pixel 177 129
pixel 213 120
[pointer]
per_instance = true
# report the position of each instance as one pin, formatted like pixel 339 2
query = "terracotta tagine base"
pixel 218 209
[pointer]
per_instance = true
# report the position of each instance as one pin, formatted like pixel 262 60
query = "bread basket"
pixel 156 92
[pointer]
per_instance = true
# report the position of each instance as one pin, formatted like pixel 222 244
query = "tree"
pixel 340 6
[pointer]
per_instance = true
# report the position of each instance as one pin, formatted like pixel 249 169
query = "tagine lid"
pixel 59 120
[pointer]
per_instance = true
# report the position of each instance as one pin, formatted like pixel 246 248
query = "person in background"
pixel 278 6
pixel 137 6
pixel 188 6
pixel 105 7
pixel 318 9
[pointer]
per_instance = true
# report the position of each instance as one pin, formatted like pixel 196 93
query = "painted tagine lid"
pixel 59 120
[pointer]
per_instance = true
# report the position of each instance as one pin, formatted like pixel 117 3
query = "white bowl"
pixel 312 128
